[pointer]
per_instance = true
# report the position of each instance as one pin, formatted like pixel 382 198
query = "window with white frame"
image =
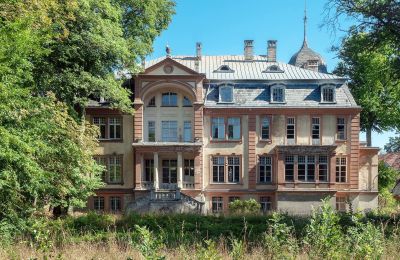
pixel 341 204
pixel 265 128
pixel 328 94
pixel 98 203
pixel 151 135
pixel 226 94
pixel 278 94
pixel 187 131
pixel 188 167
pixel 186 102
pixel 266 204
pixel 233 169
pixel 306 168
pixel 218 168
pixel 289 168
pixel 115 203
pixel 114 169
pixel 169 99
pixel 218 128
pixel 169 131
pixel 149 170
pixel 323 168
pixel 315 130
pixel 217 204
pixel 265 169
pixel 114 126
pixel 290 130
pixel 152 102
pixel 100 122
pixel 340 128
pixel 234 128
pixel 341 169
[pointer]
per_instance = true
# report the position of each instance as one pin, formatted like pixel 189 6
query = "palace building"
pixel 208 130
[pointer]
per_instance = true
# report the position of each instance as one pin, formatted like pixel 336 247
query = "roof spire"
pixel 305 24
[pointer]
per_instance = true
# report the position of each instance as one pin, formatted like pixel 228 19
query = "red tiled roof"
pixel 391 159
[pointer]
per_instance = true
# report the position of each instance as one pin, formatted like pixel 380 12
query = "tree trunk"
pixel 369 136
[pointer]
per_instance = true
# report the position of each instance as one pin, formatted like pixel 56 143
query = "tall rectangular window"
pixel 169 131
pixel 328 94
pixel 234 128
pixel 290 130
pixel 114 127
pixel 218 128
pixel 115 203
pixel 233 169
pixel 278 94
pixel 187 131
pixel 315 130
pixel 265 169
pixel 100 122
pixel 265 128
pixel 341 169
pixel 217 204
pixel 103 162
pixel 341 204
pixel 306 168
pixel 151 131
pixel 98 203
pixel 266 204
pixel 289 168
pixel 323 168
pixel 114 169
pixel 169 99
pixel 149 170
pixel 189 168
pixel 218 168
pixel 341 128
pixel 310 168
pixel 169 171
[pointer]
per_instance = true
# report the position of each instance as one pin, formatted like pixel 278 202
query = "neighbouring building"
pixel 393 160
pixel 211 129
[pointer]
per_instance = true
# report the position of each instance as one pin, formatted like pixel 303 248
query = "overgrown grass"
pixel 324 235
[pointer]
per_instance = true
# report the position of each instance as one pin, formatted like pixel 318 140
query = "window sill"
pixel 168 106
pixel 267 141
pixel 264 183
pixel 226 183
pixel 225 141
pixel 114 183
pixel 340 141
pixel 225 102
pixel 277 102
pixel 120 140
pixel 327 102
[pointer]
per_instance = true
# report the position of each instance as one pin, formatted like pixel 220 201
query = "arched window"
pixel 278 94
pixel 169 99
pixel 328 94
pixel 226 93
pixel 152 102
pixel 186 102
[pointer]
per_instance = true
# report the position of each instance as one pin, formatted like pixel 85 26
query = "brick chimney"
pixel 248 50
pixel 271 51
pixel 198 50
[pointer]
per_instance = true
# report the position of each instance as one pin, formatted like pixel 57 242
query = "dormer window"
pixel 226 94
pixel 278 94
pixel 273 69
pixel 169 99
pixel 224 68
pixel 328 94
pixel 187 102
pixel 152 102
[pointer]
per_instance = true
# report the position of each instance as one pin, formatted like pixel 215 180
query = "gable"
pixel 169 67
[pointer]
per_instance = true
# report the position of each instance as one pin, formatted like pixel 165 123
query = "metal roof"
pixel 246 70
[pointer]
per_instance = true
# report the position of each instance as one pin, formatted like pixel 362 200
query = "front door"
pixel 170 171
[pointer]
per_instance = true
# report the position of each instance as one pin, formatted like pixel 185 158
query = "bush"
pixel 250 206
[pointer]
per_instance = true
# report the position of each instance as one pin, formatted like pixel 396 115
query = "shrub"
pixel 147 243
pixel 238 249
pixel 208 252
pixel 250 206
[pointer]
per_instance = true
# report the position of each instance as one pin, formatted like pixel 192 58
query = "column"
pixel 138 170
pixel 180 170
pixel 156 184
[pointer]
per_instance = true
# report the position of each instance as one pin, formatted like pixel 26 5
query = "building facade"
pixel 211 129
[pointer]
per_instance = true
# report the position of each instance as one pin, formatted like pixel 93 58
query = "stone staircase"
pixel 166 201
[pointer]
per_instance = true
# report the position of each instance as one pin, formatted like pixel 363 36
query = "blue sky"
pixel 223 25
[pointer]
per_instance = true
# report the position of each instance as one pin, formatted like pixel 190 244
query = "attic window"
pixel 278 94
pixel 226 94
pixel 328 94
pixel 273 69
pixel 224 68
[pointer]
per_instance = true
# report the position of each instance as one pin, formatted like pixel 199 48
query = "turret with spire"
pixel 306 57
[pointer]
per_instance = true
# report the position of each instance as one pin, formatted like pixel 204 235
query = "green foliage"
pixel 250 206
pixel 393 146
pixel 323 235
pixel 208 252
pixel 147 243
pixel 238 250
pixel 387 176
pixel 279 241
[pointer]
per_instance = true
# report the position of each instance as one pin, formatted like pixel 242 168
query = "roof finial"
pixel 168 50
pixel 305 24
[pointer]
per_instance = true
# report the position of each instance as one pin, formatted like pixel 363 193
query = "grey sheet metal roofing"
pixel 246 70
pixel 296 95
